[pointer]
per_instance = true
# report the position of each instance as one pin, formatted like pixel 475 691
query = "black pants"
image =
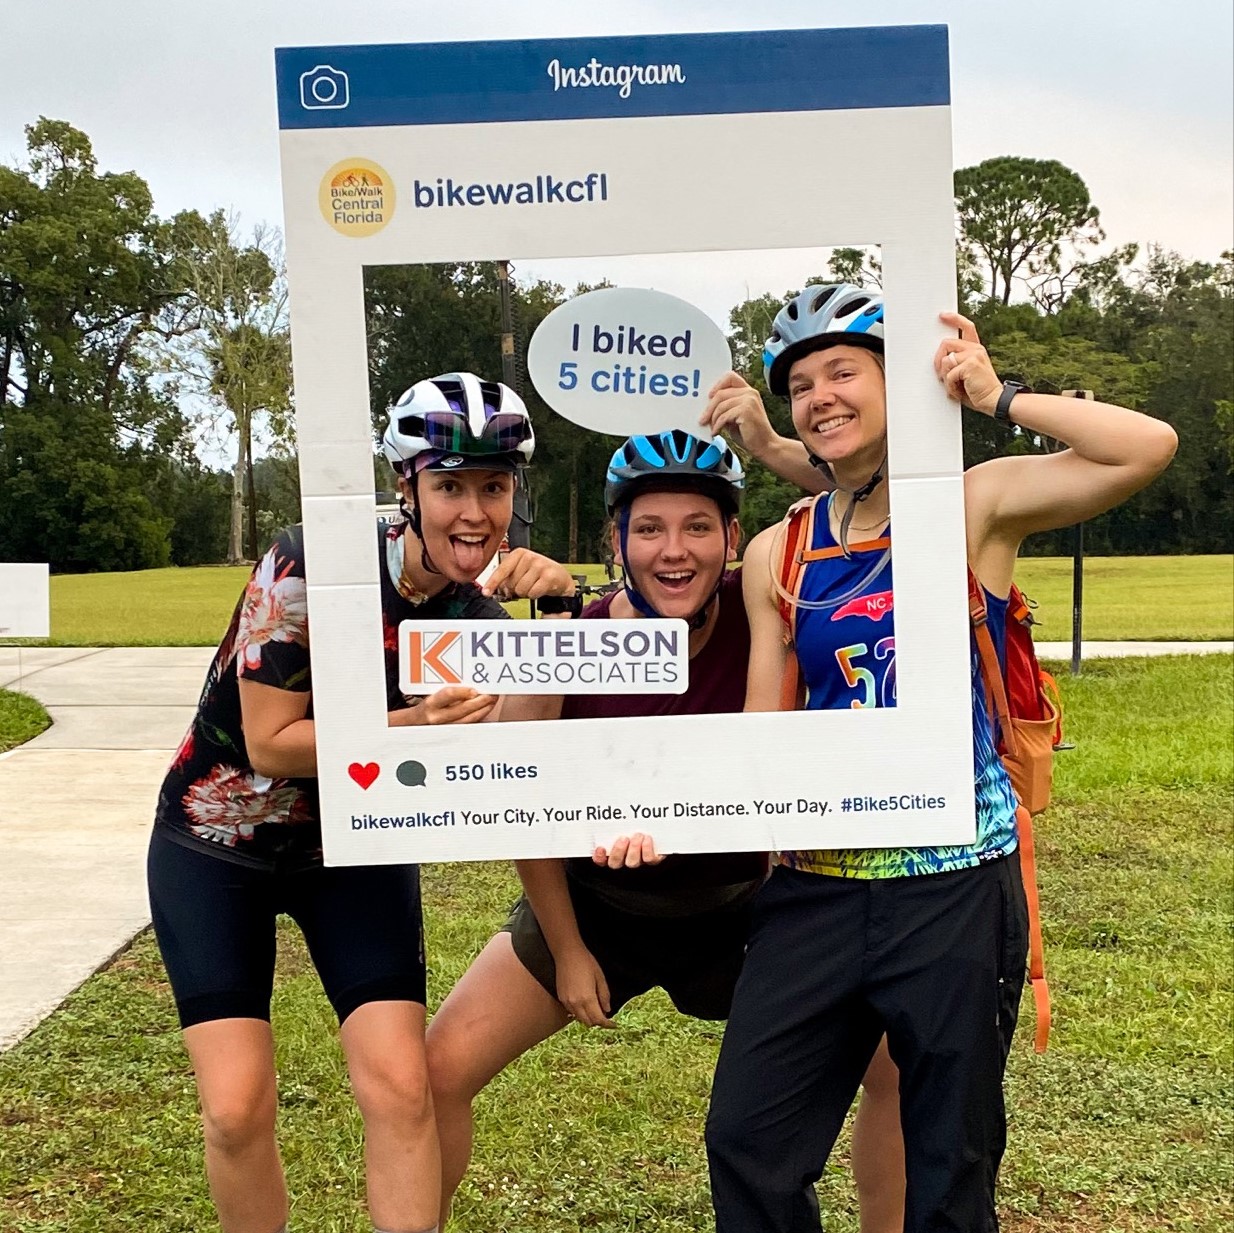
pixel 215 924
pixel 695 959
pixel 936 962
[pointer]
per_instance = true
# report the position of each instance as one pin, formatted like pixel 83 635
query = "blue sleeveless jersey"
pixel 847 656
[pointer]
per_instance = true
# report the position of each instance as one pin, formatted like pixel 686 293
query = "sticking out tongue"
pixel 471 554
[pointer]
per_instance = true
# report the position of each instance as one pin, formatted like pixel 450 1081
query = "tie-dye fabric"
pixel 847 656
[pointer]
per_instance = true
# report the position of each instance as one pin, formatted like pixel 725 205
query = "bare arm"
pixel 280 740
pixel 768 648
pixel 282 743
pixel 1112 453
pixel 734 407
pixel 790 460
pixel 519 708
pixel 581 987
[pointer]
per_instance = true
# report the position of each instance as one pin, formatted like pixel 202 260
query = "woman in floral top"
pixel 237 836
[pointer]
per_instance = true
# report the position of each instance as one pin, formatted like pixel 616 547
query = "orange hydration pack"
pixel 1023 705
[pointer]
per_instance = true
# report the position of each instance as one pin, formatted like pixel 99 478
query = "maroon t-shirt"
pixel 686 883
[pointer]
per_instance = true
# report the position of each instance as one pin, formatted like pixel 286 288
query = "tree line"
pixel 132 345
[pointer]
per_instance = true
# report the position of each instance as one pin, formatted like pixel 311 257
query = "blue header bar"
pixel 590 78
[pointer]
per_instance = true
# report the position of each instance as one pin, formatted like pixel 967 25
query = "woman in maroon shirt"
pixel 591 934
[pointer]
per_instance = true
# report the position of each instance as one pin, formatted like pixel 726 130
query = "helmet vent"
pixel 819 300
pixel 847 310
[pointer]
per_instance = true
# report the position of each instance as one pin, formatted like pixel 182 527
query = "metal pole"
pixel 507 326
pixel 1077 598
pixel 519 535
pixel 1077 573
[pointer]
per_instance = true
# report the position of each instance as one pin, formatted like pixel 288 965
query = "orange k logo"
pixel 421 657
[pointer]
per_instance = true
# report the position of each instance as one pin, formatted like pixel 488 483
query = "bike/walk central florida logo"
pixel 536 657
pixel 356 197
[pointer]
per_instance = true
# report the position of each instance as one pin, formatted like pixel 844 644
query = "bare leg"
pixel 384 1044
pixel 234 1063
pixel 495 1013
pixel 878 1147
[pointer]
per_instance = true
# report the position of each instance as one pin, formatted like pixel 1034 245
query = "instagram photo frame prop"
pixel 597 148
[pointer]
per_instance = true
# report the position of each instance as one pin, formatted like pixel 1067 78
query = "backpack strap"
pixel 991 673
pixel 798 535
pixel 1000 711
pixel 1049 688
pixel 1036 944
pixel 828 554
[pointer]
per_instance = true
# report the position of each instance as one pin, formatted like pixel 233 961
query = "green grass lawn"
pixel 1124 1126
pixel 21 719
pixel 1159 598
pixel 1133 598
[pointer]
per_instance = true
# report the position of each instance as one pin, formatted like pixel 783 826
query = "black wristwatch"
pixel 551 605
pixel 1002 411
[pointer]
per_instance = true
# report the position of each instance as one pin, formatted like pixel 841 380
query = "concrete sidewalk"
pixel 76 805
pixel 1120 650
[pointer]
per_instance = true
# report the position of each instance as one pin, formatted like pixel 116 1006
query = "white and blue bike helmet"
pixel 821 316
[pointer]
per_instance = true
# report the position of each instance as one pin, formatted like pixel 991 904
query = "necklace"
pixel 869 526
pixel 396 566
pixel 408 589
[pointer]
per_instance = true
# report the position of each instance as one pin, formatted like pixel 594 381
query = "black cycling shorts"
pixel 695 959
pixel 215 924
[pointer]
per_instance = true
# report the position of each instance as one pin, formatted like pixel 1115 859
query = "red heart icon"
pixel 364 773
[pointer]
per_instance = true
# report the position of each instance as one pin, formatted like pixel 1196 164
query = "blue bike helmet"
pixel 672 461
pixel 821 317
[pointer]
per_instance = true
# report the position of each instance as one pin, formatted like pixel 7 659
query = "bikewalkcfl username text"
pixel 524 815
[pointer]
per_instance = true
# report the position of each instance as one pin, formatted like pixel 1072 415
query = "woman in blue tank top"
pixel 924 945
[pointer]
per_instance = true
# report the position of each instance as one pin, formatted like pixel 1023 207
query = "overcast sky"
pixel 1134 97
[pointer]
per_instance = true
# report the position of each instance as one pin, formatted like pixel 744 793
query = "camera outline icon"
pixel 324 88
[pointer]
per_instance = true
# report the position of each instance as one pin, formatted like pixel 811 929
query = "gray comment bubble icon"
pixel 411 774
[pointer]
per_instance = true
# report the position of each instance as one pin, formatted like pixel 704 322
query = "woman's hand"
pixel 628 852
pixel 734 406
pixel 452 704
pixel 582 989
pixel 963 366
pixel 523 574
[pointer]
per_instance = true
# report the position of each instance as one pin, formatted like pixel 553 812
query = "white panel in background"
pixel 25 601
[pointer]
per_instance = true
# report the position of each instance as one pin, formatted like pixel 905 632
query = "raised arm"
pixel 768 648
pixel 1112 452
pixel 735 408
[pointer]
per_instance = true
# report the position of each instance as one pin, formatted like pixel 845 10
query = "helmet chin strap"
pixel 413 520
pixel 636 597
pixel 856 495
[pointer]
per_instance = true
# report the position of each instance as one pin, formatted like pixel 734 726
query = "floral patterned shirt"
pixel 212 798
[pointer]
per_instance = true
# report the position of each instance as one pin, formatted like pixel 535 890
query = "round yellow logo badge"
pixel 357 197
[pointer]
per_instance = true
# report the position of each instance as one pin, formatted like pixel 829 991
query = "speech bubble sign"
pixel 626 360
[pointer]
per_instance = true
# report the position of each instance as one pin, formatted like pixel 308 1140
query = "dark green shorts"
pixel 695 959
